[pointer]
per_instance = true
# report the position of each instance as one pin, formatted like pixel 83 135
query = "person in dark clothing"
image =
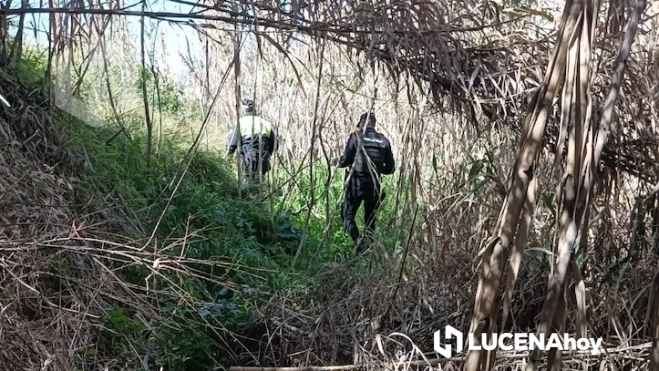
pixel 257 141
pixel 368 155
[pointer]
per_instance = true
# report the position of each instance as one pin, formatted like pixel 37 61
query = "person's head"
pixel 368 119
pixel 248 107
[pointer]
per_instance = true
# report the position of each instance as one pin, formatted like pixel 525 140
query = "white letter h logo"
pixel 445 351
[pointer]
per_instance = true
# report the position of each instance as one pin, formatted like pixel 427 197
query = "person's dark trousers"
pixel 360 189
pixel 251 167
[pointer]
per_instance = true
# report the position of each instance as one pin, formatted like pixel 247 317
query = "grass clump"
pixel 205 209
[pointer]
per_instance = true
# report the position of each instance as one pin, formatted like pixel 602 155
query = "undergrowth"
pixel 276 242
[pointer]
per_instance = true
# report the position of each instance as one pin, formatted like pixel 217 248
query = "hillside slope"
pixel 109 262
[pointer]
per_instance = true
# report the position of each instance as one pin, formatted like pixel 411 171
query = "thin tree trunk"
pixel 49 66
pixel 207 85
pixel 147 115
pixel 156 81
pixel 4 30
pixel 311 155
pixel 237 92
pixel 17 48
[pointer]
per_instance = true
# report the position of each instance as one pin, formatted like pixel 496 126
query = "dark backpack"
pixel 371 149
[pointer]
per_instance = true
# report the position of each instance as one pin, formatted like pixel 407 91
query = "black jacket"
pixel 364 147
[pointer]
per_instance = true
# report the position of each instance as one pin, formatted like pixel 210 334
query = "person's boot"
pixel 361 248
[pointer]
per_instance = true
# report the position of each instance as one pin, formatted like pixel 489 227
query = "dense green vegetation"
pixel 275 239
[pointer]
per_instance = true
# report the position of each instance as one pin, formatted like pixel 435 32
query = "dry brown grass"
pixel 363 319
